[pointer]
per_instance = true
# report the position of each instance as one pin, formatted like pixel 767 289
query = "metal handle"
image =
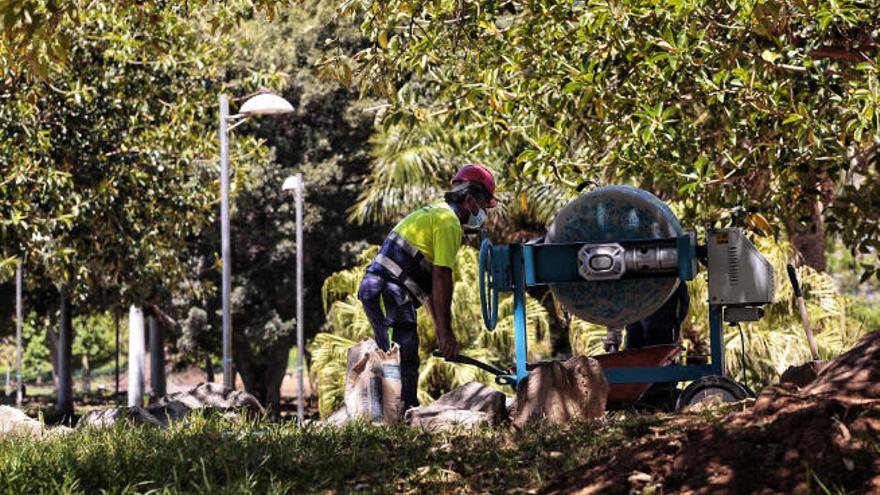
pixel 471 361
pixel 792 276
pixel 802 309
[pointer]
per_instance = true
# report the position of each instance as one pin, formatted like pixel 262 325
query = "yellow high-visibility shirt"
pixel 435 231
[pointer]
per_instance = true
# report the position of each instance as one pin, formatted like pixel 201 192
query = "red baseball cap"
pixel 480 175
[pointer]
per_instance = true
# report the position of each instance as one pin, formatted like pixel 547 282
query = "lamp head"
pixel 291 182
pixel 265 104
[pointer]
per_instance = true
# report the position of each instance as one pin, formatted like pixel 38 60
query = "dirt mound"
pixel 822 437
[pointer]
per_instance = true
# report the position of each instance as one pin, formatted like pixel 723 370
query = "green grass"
pixel 216 456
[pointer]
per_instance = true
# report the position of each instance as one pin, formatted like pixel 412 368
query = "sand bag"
pixel 468 406
pixel 372 383
pixel 559 392
pixel 446 418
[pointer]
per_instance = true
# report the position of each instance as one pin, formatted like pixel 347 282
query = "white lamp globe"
pixel 265 104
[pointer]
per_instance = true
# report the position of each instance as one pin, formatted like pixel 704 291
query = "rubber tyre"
pixel 708 387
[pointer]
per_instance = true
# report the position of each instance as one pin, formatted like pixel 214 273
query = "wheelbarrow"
pixel 657 355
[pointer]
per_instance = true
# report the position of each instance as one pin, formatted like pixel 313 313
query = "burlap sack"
pixel 372 383
pixel 559 392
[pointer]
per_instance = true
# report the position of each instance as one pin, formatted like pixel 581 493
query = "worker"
pixel 664 325
pixel 660 328
pixel 414 268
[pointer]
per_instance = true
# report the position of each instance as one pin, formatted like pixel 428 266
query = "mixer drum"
pixel 614 214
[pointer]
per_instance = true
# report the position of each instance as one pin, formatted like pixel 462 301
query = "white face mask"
pixel 476 221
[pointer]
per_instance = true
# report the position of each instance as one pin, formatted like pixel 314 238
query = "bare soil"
pixel 822 438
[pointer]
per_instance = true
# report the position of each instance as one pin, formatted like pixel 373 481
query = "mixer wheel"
pixel 712 388
pixel 488 291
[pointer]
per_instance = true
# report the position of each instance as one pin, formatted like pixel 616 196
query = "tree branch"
pixel 844 54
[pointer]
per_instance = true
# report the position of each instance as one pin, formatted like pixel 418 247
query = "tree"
pixel 34 38
pixel 325 139
pixel 103 177
pixel 762 114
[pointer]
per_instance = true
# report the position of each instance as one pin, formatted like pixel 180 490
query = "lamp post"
pixel 18 315
pixel 295 182
pixel 261 104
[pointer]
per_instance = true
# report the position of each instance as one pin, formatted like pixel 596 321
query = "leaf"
pixel 383 39
pixel 770 56
pixel 758 221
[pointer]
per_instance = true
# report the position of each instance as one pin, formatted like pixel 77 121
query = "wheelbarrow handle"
pixel 792 277
pixel 460 358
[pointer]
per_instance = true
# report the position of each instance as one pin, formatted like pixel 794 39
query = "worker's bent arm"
pixel 441 310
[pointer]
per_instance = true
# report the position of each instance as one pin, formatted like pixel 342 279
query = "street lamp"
pixel 261 104
pixel 19 390
pixel 295 183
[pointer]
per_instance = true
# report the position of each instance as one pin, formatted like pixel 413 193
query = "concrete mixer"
pixel 613 256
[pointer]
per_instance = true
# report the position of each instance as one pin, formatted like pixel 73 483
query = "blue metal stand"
pixel 512 268
pixel 520 338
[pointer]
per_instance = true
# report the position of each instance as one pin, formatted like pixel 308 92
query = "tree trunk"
pixel 157 359
pixel 806 231
pixel 86 375
pixel 209 369
pixel 52 344
pixel 64 407
pixel 262 375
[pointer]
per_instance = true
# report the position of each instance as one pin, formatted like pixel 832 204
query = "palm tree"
pixel 412 164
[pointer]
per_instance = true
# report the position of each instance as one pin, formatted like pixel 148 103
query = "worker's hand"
pixel 447 344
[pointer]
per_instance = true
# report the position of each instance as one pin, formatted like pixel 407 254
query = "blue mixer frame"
pixel 513 267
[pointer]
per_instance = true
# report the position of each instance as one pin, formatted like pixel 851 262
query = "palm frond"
pixel 329 363
pixel 412 164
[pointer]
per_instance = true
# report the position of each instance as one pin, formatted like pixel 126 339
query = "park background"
pixel 762 115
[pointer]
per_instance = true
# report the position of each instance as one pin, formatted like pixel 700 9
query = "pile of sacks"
pixel 15 423
pixel 208 397
pixel 556 392
pixel 174 407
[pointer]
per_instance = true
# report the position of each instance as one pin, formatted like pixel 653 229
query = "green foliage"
pixel 865 312
pixel 416 159
pixel 94 342
pixel 347 324
pixel 326 140
pixel 34 40
pixel 103 176
pixel 36 359
pixel 761 114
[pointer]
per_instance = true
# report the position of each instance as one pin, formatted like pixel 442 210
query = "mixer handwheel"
pixel 488 292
